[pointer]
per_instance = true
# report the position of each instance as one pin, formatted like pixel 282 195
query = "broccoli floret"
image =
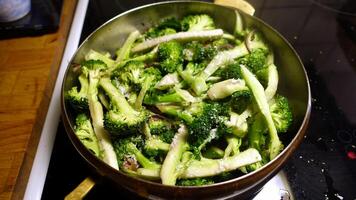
pixel 162 128
pixel 281 113
pixel 197 52
pixel 170 55
pixel 129 153
pixel 240 100
pixel 131 74
pixel 79 100
pixel 204 127
pixel 121 118
pixel 176 95
pixel 232 70
pixel 195 182
pixel 166 27
pixel 85 132
pixel 156 32
pixel 256 60
pixel 197 23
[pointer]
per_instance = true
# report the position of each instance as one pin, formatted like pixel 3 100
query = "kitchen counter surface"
pixel 28 70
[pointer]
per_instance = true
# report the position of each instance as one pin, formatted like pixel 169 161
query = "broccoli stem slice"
pixel 169 173
pixel 181 36
pixel 211 167
pixel 275 145
pixel 118 100
pixel 97 116
pixel 148 174
pixel 143 58
pixel 124 52
pixel 141 95
pixel 199 86
pixel 272 84
pixel 256 132
pixel 225 88
pixel 169 80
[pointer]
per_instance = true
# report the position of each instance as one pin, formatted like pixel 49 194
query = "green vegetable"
pixel 85 132
pixel 185 103
pixel 122 118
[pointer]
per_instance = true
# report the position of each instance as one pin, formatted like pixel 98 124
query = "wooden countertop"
pixel 28 70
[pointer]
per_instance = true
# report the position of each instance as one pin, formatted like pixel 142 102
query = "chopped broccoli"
pixel 226 88
pixel 196 52
pixel 170 56
pixel 211 167
pixel 129 153
pixel 195 182
pixel 85 132
pixel 79 100
pixel 168 81
pixel 176 95
pixel 240 100
pixel 165 27
pixel 162 128
pixel 124 52
pixel 131 74
pixel 275 145
pixel 106 58
pixel 181 36
pixel 154 146
pixel 197 23
pixel 232 70
pixel 150 77
pixel 281 113
pixel 202 129
pixel 121 119
pixel 256 60
pixel 213 152
pixel 94 69
pixel 237 124
pixel 169 172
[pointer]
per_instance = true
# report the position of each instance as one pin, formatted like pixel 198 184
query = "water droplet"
pixel 300 157
pixel 295 37
pixel 320 52
pixel 338 60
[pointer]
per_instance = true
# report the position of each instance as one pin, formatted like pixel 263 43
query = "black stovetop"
pixel 323 32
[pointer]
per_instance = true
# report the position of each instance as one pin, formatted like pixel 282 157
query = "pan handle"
pixel 81 190
pixel 240 4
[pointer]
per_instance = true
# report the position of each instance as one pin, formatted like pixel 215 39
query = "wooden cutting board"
pixel 28 68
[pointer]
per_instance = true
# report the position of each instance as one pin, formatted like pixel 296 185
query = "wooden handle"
pixel 239 4
pixel 81 190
